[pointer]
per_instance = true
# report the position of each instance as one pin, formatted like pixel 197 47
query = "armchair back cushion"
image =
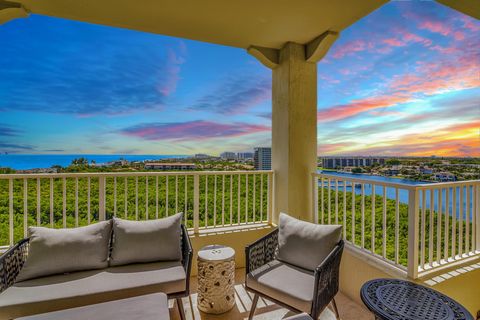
pixel 146 241
pixel 304 244
pixel 54 251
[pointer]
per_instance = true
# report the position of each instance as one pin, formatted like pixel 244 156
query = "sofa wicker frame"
pixel 326 274
pixel 12 261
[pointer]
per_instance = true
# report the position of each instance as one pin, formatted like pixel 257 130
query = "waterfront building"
pixel 169 166
pixel 263 158
pixel 201 156
pixel 333 162
pixel 244 155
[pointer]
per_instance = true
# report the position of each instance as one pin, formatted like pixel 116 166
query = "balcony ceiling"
pixel 236 23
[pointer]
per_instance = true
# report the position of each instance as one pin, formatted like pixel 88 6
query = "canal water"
pixel 468 192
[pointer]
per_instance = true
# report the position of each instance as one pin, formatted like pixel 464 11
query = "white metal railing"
pixel 416 228
pixel 208 199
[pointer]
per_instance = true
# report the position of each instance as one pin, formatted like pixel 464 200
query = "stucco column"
pixel 294 131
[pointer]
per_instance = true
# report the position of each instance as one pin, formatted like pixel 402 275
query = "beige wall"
pixel 461 283
pixel 236 239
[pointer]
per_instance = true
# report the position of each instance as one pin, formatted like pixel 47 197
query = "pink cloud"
pixel 394 42
pixel 349 48
pixel 435 27
pixel 171 75
pixel 192 130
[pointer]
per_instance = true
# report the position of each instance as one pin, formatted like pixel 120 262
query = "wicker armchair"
pixel 325 276
pixel 12 261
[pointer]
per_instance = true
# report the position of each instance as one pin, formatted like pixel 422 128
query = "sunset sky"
pixel 404 80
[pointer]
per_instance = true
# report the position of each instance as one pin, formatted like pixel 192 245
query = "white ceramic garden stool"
pixel 216 279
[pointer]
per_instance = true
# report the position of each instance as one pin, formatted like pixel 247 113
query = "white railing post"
pixel 271 194
pixel 477 216
pixel 413 238
pixel 196 203
pixel 315 197
pixel 101 198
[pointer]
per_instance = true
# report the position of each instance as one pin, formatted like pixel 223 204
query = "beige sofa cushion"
pixel 285 283
pixel 146 241
pixel 305 244
pixel 88 287
pixel 54 251
pixel 152 306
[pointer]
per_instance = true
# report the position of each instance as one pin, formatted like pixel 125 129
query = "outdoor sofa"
pixel 56 269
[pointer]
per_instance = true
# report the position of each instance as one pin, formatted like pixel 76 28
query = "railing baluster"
pixel 136 197
pixel 384 231
pixel 447 219
pixel 176 194
pixel 206 201
pixel 167 204
pixel 125 186
pixel 439 225
pixel 101 198
pixel 88 199
pixel 460 222
pixel 336 201
pixel 261 198
pixel 431 228
pixel 315 198
pixel 39 203
pixel 344 208
pixel 254 203
pixel 270 196
pixel 322 201
pixel 231 199
pixel 373 219
pixel 51 202
pixel 10 210
pixel 353 212
pixel 215 201
pixel 76 202
pixel 454 222
pixel 196 203
pixel 114 196
pixel 422 232
pixel 363 215
pixel 223 199
pixel 329 206
pixel 246 198
pixel 238 199
pixel 25 207
pixel 467 220
pixel 156 197
pixel 64 202
pixel 476 215
pixel 397 224
pixel 185 214
pixel 146 198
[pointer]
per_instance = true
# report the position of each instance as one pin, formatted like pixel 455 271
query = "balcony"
pixel 384 224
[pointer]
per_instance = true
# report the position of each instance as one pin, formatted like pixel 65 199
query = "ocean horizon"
pixel 34 161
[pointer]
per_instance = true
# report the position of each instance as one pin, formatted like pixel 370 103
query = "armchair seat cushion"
pixel 88 287
pixel 284 282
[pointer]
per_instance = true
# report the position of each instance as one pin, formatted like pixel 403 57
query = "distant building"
pixel 228 155
pixel 244 155
pixel 262 158
pixel 445 176
pixel 342 162
pixel 201 156
pixel 169 166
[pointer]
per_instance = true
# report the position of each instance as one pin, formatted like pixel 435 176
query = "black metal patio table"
pixel 393 299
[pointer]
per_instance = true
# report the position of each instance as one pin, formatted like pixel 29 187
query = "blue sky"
pixel 402 81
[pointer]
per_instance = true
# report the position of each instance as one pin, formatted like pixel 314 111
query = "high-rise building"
pixel 228 155
pixel 333 162
pixel 263 158
pixel 244 155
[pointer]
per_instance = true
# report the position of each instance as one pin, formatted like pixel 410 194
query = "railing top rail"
pixel 398 185
pixel 127 174
pixel 447 184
